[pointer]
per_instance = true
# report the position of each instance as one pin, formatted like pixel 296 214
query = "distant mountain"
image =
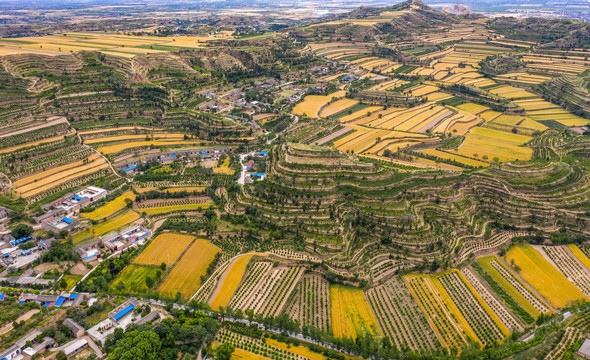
pixel 397 22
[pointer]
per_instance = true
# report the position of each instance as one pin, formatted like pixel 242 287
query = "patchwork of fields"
pixel 112 44
pixel 419 311
pixel 491 136
pixel 401 183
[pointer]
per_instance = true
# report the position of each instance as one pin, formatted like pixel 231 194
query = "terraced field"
pixel 410 158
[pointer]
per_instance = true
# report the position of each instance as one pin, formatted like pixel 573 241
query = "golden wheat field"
pixel 311 105
pixel 46 183
pixel 158 136
pixel 111 149
pixel 351 313
pixel 111 207
pixel 165 248
pixel 189 189
pixel 108 43
pixel 115 223
pixel 172 208
pixel 185 276
pixel 231 280
pixel 487 144
pixel 337 107
pixel 545 278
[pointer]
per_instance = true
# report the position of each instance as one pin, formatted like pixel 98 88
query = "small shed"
pixel 75 327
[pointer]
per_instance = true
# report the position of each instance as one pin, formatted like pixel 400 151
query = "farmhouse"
pixel 89 251
pixel 27 279
pixel 77 330
pixel 320 69
pixel 10 252
pixel 125 238
pixel 51 215
pixel 64 223
pixel 39 347
pixel 65 299
pixel 130 170
pixel 153 315
pixel 21 344
pixel 122 310
pixel 130 167
pixel 171 156
pixel 234 95
pixel 293 98
pixel 208 94
pixel 71 202
pixel 5 239
pixel 257 176
pixel 349 78
pixel 24 259
pixel 214 106
pixel 120 317
pixel 74 347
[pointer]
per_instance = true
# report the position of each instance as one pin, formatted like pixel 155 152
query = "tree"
pixel 144 345
pixel 163 266
pixel 63 283
pixel 224 351
pixel 61 356
pixel 21 231
pixel 149 282
pixel 128 203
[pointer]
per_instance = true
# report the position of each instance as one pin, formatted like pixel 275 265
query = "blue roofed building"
pixel 123 310
pixel 130 170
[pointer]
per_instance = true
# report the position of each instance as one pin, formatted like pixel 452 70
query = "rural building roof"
pixel 74 345
pixel 9 250
pixel 149 317
pixel 74 326
pixel 67 220
pixel 124 312
pixel 20 343
pixel 130 168
pixel 47 298
pixel 585 348
pixel 60 301
pixel 18 241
